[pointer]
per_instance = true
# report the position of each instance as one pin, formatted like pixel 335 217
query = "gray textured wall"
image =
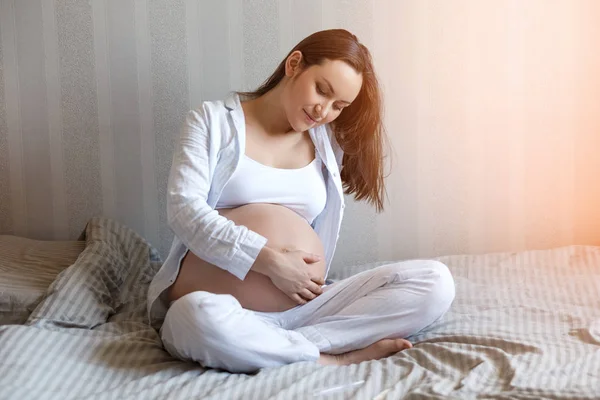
pixel 92 95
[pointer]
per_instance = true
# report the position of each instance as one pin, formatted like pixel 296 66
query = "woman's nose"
pixel 321 111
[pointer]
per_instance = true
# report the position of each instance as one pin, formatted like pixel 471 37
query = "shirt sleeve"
pixel 207 234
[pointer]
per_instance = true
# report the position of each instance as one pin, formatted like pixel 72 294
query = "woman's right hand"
pixel 289 272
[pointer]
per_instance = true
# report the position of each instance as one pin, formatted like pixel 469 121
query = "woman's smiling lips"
pixel 309 118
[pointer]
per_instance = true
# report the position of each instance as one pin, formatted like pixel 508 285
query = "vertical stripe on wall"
pixel 329 14
pixel 297 20
pixel 60 219
pixel 235 44
pixel 207 29
pixel 167 25
pixel 586 131
pixel 107 156
pixel 79 108
pixel 125 114
pixel 6 224
pixel 550 198
pixel 516 78
pixel 286 27
pixel 356 17
pixel 148 150
pixel 308 19
pixel 214 29
pixel 194 52
pixel 261 38
pixel 383 56
pixel 34 117
pixel 422 107
pixel 13 120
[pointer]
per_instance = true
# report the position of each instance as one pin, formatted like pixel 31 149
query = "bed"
pixel 524 325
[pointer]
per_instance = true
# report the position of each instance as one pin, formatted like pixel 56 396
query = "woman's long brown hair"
pixel 359 128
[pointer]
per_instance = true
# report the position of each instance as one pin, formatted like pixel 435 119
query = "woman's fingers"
pixel 318 280
pixel 314 288
pixel 311 258
pixel 298 299
pixel 307 294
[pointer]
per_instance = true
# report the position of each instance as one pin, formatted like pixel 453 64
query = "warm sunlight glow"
pixel 493 110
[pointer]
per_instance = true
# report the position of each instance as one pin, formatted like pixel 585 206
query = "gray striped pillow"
pixel 27 268
pixel 109 280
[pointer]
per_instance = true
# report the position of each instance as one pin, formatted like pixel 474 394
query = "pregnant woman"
pixel 256 198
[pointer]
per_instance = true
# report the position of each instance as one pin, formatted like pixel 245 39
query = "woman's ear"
pixel 293 63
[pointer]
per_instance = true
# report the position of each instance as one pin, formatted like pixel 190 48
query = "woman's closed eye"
pixel 322 93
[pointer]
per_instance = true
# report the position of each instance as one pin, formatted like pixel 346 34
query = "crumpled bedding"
pixel 27 268
pixel 524 325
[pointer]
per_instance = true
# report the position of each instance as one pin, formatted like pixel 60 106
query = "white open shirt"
pixel 210 147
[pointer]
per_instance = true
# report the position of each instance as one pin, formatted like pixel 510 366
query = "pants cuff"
pixel 313 335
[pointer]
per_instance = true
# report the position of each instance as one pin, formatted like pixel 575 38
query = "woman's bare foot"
pixel 380 349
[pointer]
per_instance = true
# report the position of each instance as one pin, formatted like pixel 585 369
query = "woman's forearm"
pixel 265 261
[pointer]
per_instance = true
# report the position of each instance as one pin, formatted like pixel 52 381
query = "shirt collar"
pixel 232 101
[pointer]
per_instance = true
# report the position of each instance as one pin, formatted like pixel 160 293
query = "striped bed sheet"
pixel 524 325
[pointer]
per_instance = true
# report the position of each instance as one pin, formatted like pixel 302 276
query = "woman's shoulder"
pixel 210 108
pixel 210 113
pixel 230 102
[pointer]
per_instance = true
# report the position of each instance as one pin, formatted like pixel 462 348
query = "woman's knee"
pixel 434 280
pixel 202 309
pixel 445 282
pixel 443 290
pixel 197 321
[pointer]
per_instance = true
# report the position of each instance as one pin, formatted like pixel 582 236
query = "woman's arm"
pixel 207 234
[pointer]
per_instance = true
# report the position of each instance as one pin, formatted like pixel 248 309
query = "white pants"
pixel 391 301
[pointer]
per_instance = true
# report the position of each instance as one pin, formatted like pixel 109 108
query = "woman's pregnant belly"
pixel 283 228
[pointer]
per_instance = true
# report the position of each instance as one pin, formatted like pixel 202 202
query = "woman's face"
pixel 320 92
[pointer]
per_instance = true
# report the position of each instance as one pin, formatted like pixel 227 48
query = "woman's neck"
pixel 267 113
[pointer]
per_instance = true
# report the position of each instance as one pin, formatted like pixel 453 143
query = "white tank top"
pixel 301 190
